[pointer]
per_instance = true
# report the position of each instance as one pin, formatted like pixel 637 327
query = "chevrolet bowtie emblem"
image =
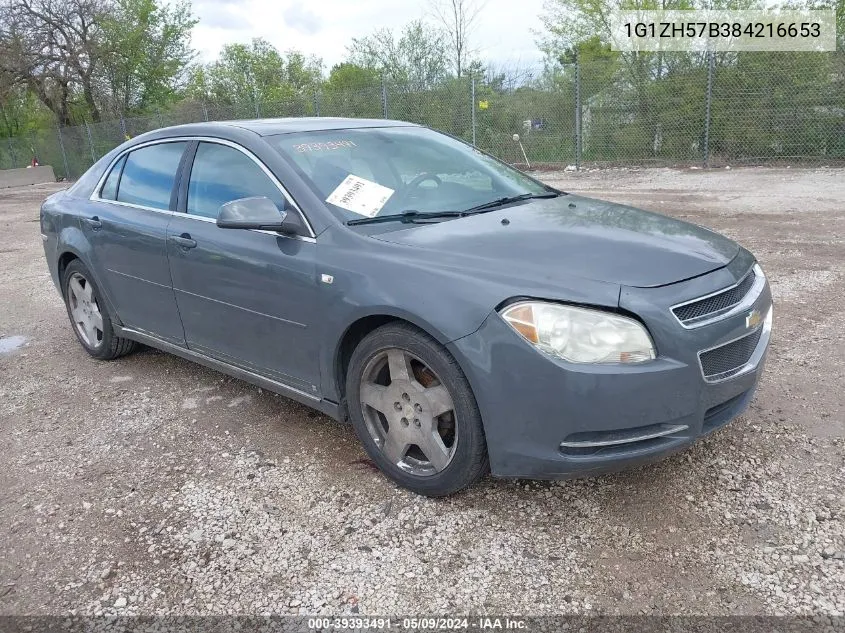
pixel 753 319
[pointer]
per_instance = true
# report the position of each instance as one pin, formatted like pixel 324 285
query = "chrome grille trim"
pixel 666 429
pixel 743 304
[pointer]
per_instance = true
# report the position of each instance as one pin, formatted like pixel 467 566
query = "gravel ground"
pixel 151 485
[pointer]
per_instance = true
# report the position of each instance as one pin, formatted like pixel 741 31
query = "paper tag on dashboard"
pixel 360 195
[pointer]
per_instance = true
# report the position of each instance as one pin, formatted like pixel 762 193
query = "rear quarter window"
pixel 109 190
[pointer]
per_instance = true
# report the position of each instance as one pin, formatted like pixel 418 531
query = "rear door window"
pixel 149 174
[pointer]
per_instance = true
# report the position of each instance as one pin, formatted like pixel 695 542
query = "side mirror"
pixel 256 213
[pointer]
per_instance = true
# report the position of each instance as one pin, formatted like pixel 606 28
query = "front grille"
pixel 729 359
pixel 691 313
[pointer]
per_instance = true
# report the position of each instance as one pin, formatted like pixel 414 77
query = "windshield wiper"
pixel 412 215
pixel 406 216
pixel 493 204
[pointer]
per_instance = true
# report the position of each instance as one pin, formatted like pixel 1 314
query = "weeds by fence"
pixel 676 109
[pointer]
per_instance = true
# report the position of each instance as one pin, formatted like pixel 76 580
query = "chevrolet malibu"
pixel 463 316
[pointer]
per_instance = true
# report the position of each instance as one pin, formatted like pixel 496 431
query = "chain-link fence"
pixel 663 109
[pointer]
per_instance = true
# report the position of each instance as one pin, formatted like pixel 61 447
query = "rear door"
pixel 246 297
pixel 127 228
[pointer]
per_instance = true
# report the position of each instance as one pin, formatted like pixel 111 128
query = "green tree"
pixel 145 51
pixel 598 62
pixel 837 5
pixel 52 49
pixel 351 77
pixel 414 60
pixel 302 72
pixel 351 90
pixel 79 57
pixel 20 111
pixel 640 104
pixel 256 76
pixel 779 104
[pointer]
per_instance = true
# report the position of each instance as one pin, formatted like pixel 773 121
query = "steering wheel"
pixel 406 191
pixel 416 182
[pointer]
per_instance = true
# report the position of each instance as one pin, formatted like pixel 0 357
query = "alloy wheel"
pixel 409 412
pixel 85 311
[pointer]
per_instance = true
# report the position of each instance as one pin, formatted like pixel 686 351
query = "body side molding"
pixel 324 406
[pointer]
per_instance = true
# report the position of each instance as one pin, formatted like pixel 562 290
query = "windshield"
pixel 364 173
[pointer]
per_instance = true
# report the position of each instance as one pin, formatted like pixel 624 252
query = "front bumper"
pixel 546 418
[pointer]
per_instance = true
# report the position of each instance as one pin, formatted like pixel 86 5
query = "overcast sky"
pixel 503 32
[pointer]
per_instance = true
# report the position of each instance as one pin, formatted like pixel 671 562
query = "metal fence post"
pixel 578 130
pixel 383 98
pixel 123 131
pixel 708 99
pixel 12 153
pixel 472 108
pixel 90 141
pixel 62 148
pixel 204 111
pixel 316 103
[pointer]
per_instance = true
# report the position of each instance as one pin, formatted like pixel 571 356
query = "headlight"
pixel 580 335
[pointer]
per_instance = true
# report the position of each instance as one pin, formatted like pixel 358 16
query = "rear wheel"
pixel 414 411
pixel 89 315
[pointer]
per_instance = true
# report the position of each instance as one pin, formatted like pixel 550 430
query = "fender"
pixel 421 282
pixel 337 331
pixel 71 239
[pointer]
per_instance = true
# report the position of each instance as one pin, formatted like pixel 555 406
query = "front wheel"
pixel 414 411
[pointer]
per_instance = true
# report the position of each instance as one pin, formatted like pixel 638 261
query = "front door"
pixel 245 297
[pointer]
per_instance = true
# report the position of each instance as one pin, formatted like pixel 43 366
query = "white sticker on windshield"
pixel 359 195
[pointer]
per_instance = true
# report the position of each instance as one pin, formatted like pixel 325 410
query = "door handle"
pixel 94 222
pixel 184 240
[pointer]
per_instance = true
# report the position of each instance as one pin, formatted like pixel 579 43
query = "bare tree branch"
pixel 457 18
pixel 51 47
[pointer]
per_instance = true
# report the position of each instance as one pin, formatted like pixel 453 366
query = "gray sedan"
pixel 463 316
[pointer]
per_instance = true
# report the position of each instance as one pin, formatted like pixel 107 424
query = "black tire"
pixel 108 345
pixel 468 461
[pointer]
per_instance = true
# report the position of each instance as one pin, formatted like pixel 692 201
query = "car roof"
pixel 270 127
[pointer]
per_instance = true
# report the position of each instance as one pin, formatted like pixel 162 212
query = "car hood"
pixel 577 236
